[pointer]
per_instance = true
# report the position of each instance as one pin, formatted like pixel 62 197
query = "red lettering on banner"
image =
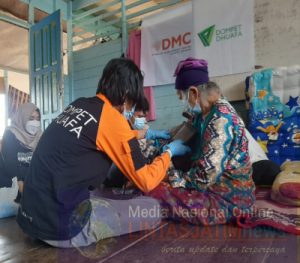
pixel 166 43
pixel 186 38
pixel 176 41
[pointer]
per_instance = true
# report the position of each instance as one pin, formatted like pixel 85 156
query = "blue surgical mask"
pixel 194 110
pixel 139 123
pixel 129 114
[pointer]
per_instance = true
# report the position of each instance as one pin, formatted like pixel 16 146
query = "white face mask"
pixel 139 123
pixel 32 127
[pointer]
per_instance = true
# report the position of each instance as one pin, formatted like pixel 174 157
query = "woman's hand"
pixel 157 134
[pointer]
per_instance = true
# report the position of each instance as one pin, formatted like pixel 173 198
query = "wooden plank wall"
pixel 89 64
pixel 168 107
pixel 88 67
pixel 277 32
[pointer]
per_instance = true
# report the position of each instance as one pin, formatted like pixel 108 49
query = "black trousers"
pixel 265 172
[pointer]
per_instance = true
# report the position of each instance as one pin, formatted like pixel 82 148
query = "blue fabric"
pixel 7 195
pixel 8 210
pixel 272 123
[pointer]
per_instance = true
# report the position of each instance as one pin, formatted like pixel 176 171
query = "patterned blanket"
pixel 270 213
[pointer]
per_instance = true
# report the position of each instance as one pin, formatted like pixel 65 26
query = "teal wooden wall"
pixel 88 67
pixel 89 64
pixel 168 107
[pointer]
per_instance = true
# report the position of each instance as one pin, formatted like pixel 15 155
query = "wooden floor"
pixel 170 243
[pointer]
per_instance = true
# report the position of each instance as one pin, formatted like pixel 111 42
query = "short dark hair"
pixel 142 105
pixel 121 80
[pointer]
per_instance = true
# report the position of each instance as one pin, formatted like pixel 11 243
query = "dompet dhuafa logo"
pixel 206 36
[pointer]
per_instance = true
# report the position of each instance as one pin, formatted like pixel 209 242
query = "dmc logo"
pixel 175 41
pixel 206 35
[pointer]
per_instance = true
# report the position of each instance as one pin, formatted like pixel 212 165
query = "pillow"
pixel 290 190
pixel 291 166
pixel 286 187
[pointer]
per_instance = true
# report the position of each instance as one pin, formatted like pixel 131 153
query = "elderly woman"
pixel 219 186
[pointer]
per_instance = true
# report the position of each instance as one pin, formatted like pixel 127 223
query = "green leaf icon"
pixel 206 35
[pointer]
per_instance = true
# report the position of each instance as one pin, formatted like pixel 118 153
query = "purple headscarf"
pixel 191 72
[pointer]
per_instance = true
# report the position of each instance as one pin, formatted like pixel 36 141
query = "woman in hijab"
pixel 19 142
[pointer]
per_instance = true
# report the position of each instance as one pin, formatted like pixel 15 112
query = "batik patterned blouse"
pixel 222 163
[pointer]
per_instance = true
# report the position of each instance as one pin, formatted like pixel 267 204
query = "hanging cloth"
pixel 134 53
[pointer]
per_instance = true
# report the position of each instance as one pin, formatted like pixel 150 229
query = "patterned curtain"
pixel 15 98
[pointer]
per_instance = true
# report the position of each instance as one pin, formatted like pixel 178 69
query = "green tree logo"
pixel 206 35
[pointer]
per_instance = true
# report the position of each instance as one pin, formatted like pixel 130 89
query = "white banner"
pixel 223 34
pixel 166 39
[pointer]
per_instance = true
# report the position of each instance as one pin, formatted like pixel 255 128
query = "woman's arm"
pixel 215 152
pixel 119 142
